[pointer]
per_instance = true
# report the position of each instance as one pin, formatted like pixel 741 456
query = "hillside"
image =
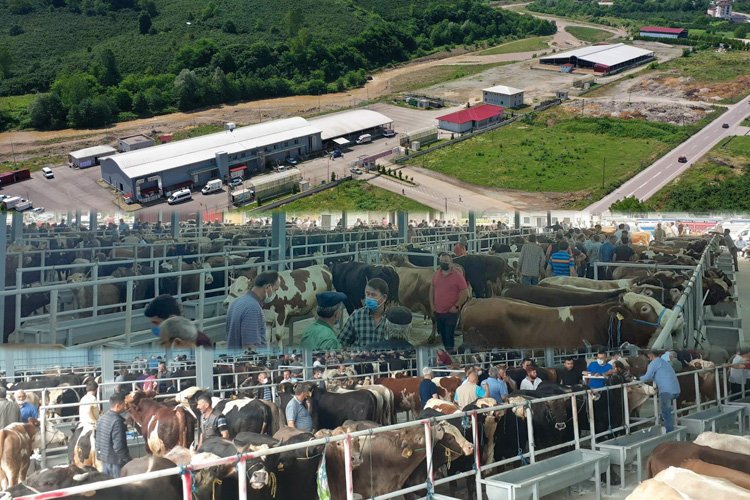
pixel 128 58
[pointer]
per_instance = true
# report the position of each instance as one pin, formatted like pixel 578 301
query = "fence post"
pixel 592 426
pixel 724 382
pixel 626 407
pixel 187 485
pixel 477 456
pixel 428 456
pixel 53 304
pixel 242 473
pixel 718 386
pixel 95 290
pixel 530 429
pixel 128 310
pixel 347 467
pixel 698 398
pixel 43 428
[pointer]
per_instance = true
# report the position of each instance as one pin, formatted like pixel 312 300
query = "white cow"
pixel 676 483
pixel 724 442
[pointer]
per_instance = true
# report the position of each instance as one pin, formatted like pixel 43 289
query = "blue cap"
pixel 330 299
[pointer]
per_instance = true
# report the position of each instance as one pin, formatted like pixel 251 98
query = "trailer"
pixel 270 186
pixel 7 178
pixel 243 197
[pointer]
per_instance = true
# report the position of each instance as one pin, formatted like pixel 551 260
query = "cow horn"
pixel 81 477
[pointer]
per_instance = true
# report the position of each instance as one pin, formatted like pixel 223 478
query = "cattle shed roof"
pixel 93 151
pixel 503 89
pixel 608 55
pixel 189 151
pixel 348 122
pixel 477 113
pixel 135 139
pixel 659 29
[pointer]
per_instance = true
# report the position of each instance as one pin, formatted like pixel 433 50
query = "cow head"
pixel 54 478
pixel 645 318
pixel 453 439
pixel 238 288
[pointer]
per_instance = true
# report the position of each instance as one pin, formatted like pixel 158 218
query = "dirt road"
pixel 28 144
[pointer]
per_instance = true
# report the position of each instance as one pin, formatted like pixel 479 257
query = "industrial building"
pixel 660 32
pixel 721 9
pixel 470 119
pixel 342 128
pixel 147 174
pixel 502 95
pixel 89 157
pixel 134 142
pixel 604 59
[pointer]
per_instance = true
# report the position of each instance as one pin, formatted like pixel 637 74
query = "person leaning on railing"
pixel 666 381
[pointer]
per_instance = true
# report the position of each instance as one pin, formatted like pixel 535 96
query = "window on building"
pixel 527 220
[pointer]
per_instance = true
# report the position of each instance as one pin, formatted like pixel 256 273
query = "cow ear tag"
pixel 620 317
pixel 406 453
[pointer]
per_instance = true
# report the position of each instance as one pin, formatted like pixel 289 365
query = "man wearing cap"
pixel 320 336
pixel 397 328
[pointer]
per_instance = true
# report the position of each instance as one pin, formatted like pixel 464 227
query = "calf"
pixel 162 428
pixel 17 443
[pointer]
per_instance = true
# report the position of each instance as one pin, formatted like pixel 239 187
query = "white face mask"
pixel 268 299
pixel 601 362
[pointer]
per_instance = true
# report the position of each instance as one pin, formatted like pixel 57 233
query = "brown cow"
pixel 449 385
pixel 405 393
pixel 508 323
pixel 162 428
pixel 674 454
pixel 17 443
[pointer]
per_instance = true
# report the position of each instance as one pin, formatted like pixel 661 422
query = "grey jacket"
pixel 111 443
pixel 9 413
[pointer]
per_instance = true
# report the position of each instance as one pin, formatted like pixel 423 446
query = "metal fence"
pixel 580 440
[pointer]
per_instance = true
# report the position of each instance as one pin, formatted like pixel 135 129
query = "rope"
pixel 217 482
pixel 185 470
pixel 518 442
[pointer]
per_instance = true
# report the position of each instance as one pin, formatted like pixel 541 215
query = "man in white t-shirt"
pixel 738 375
pixel 88 413
pixel 532 381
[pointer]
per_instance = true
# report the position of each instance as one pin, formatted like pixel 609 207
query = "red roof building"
pixel 661 32
pixel 472 118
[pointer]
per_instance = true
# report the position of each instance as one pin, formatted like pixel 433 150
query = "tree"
pixel 144 23
pixel 6 62
pixel 292 22
pixel 74 88
pixel 629 204
pixel 188 90
pixel 742 31
pixel 109 75
pixel 47 112
pixel 91 112
pixel 229 27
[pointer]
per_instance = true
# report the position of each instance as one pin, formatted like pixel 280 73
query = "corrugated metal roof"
pixel 608 55
pixel 477 113
pixel 159 163
pixel 503 89
pixel 348 122
pixel 93 151
pixel 659 29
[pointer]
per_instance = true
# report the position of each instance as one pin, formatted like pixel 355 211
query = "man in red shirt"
pixel 449 292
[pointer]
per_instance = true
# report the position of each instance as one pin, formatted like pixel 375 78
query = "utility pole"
pixel 446 206
pixel 604 166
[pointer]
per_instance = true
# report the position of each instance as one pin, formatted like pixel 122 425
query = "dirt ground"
pixel 658 111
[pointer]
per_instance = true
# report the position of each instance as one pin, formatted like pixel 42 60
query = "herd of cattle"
pixel 354 401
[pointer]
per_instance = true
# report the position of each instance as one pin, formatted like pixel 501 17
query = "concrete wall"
pixel 455 127
pixel 504 100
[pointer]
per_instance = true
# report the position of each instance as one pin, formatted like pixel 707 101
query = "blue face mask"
pixel 371 304
pixel 155 330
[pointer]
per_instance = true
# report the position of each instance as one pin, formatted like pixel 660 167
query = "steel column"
pixel 402 221
pixel 278 238
pixel 204 367
pixel 10 367
pixel 108 375
pixel 175 224
pixel 78 217
pixel 17 221
pixel 517 219
pixel 423 359
pixel 344 220
pixel 92 220
pixel 549 219
pixel 472 232
pixel 3 251
pixel 307 361
pixel 199 223
pixel 549 357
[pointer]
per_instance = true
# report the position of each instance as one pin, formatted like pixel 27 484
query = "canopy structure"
pixel 341 141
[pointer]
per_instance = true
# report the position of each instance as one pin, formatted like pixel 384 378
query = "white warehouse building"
pixel 502 95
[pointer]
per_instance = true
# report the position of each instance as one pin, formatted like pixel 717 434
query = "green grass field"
pixel 196 131
pixel 525 45
pixel 353 195
pixel 719 181
pixel 591 35
pixel 746 122
pixel 33 164
pixel 557 152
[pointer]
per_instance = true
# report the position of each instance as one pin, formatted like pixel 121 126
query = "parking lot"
pixel 79 187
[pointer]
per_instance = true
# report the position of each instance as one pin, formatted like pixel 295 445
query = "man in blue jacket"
pixel 666 381
pixel 111 443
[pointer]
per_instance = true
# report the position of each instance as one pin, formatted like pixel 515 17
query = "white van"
pixel 180 196
pixel 48 173
pixel 364 138
pixel 212 186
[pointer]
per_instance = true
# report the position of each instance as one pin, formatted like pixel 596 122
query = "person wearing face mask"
pixel 600 367
pixel 366 325
pixel 320 336
pixel 449 293
pixel 171 327
pixel 246 324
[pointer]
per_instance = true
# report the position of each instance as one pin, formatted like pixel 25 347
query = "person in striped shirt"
pixel 561 263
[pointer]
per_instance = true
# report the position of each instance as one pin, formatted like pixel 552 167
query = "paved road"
pixel 663 171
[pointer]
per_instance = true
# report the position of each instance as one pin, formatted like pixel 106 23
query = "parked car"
pixel 389 133
pixel 292 160
pixel 337 154
pixel 356 170
pixel 48 173
pixel 38 210
pixel 726 125
pixel 236 181
pixel 682 159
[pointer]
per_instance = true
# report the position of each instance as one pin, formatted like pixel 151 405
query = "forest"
pixel 93 62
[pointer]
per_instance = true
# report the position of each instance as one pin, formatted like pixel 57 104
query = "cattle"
pixel 63 394
pixel 261 478
pixel 162 428
pixel 485 273
pixel 296 295
pixel 557 296
pixel 330 410
pixel 508 323
pixel 706 383
pixel 448 384
pixel 30 303
pixel 297 469
pixel 587 284
pixel 676 483
pixel 675 453
pixel 351 279
pixel 385 411
pixel 190 282
pixel 82 449
pixel 406 393
pixel 725 442
pixel 414 289
pixel 17 442
pixel 107 295
pixel 69 476
pixel 242 414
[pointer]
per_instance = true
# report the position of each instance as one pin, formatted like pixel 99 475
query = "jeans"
pixel 665 409
pixel 529 280
pixel 112 470
pixel 736 391
pixel 446 327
